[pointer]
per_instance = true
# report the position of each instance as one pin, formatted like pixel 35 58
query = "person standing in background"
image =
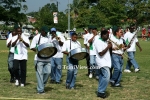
pixel 11 56
pixel 93 37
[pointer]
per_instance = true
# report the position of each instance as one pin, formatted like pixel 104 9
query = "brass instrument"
pixel 20 39
pixel 119 47
pixel 58 38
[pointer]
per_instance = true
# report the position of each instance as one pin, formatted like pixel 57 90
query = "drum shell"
pixel 78 53
pixel 46 50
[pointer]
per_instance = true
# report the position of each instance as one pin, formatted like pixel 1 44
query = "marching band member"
pixel 103 60
pixel 86 44
pixel 91 40
pixel 72 63
pixel 11 56
pixel 117 58
pixel 42 66
pixel 20 43
pixel 131 37
pixel 57 59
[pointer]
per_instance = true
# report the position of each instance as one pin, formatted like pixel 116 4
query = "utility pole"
pixel 68 18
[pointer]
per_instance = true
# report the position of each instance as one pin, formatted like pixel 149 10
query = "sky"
pixel 34 5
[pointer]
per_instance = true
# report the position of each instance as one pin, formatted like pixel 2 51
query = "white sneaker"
pixel 22 85
pixel 91 75
pixel 137 70
pixel 127 71
pixel 17 83
pixel 97 77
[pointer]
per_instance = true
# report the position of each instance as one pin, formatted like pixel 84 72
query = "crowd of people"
pixel 105 61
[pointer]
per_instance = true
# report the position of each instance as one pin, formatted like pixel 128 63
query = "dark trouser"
pixel 88 63
pixel 23 65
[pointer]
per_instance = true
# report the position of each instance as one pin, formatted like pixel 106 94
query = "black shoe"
pixel 52 81
pixel 41 92
pixel 112 84
pixel 12 80
pixel 57 82
pixel 101 95
pixel 67 86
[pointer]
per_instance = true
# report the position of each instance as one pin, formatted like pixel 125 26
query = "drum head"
pixel 80 56
pixel 47 52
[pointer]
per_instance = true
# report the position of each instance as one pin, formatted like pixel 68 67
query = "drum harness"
pixel 70 45
pixel 37 61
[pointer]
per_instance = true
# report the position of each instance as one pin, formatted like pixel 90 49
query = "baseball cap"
pixel 53 29
pixel 45 29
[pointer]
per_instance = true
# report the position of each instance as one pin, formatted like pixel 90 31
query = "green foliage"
pixel 10 10
pixel 45 17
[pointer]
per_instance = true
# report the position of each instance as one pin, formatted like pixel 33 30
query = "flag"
pixel 127 41
pixel 16 50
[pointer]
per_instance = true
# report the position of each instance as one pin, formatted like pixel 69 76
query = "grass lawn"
pixel 136 86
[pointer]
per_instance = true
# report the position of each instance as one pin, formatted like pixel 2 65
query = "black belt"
pixel 117 54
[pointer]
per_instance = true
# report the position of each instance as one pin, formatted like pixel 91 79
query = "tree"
pixel 45 17
pixel 11 10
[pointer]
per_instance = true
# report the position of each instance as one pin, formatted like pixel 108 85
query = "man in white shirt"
pixel 103 60
pixel 86 44
pixel 131 41
pixel 91 38
pixel 57 59
pixel 117 58
pixel 42 66
pixel 11 56
pixel 20 43
pixel 72 63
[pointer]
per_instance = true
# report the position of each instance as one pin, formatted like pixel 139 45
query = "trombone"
pixel 119 47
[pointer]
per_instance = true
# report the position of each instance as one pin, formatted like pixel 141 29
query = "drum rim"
pixel 82 58
pixel 55 51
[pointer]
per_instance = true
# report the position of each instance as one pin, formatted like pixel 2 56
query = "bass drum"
pixel 78 54
pixel 46 50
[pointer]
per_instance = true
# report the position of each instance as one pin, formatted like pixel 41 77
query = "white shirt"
pixel 86 38
pixel 118 42
pixel 127 37
pixel 8 40
pixel 74 45
pixel 59 53
pixel 92 47
pixel 20 50
pixel 104 60
pixel 34 44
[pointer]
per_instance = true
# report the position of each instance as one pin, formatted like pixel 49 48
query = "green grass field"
pixel 136 86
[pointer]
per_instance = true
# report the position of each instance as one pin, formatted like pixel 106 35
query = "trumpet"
pixel 58 38
pixel 20 39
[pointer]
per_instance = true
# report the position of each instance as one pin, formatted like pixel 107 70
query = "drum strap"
pixel 39 39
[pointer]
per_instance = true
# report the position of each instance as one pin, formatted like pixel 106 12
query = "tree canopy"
pixel 10 10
